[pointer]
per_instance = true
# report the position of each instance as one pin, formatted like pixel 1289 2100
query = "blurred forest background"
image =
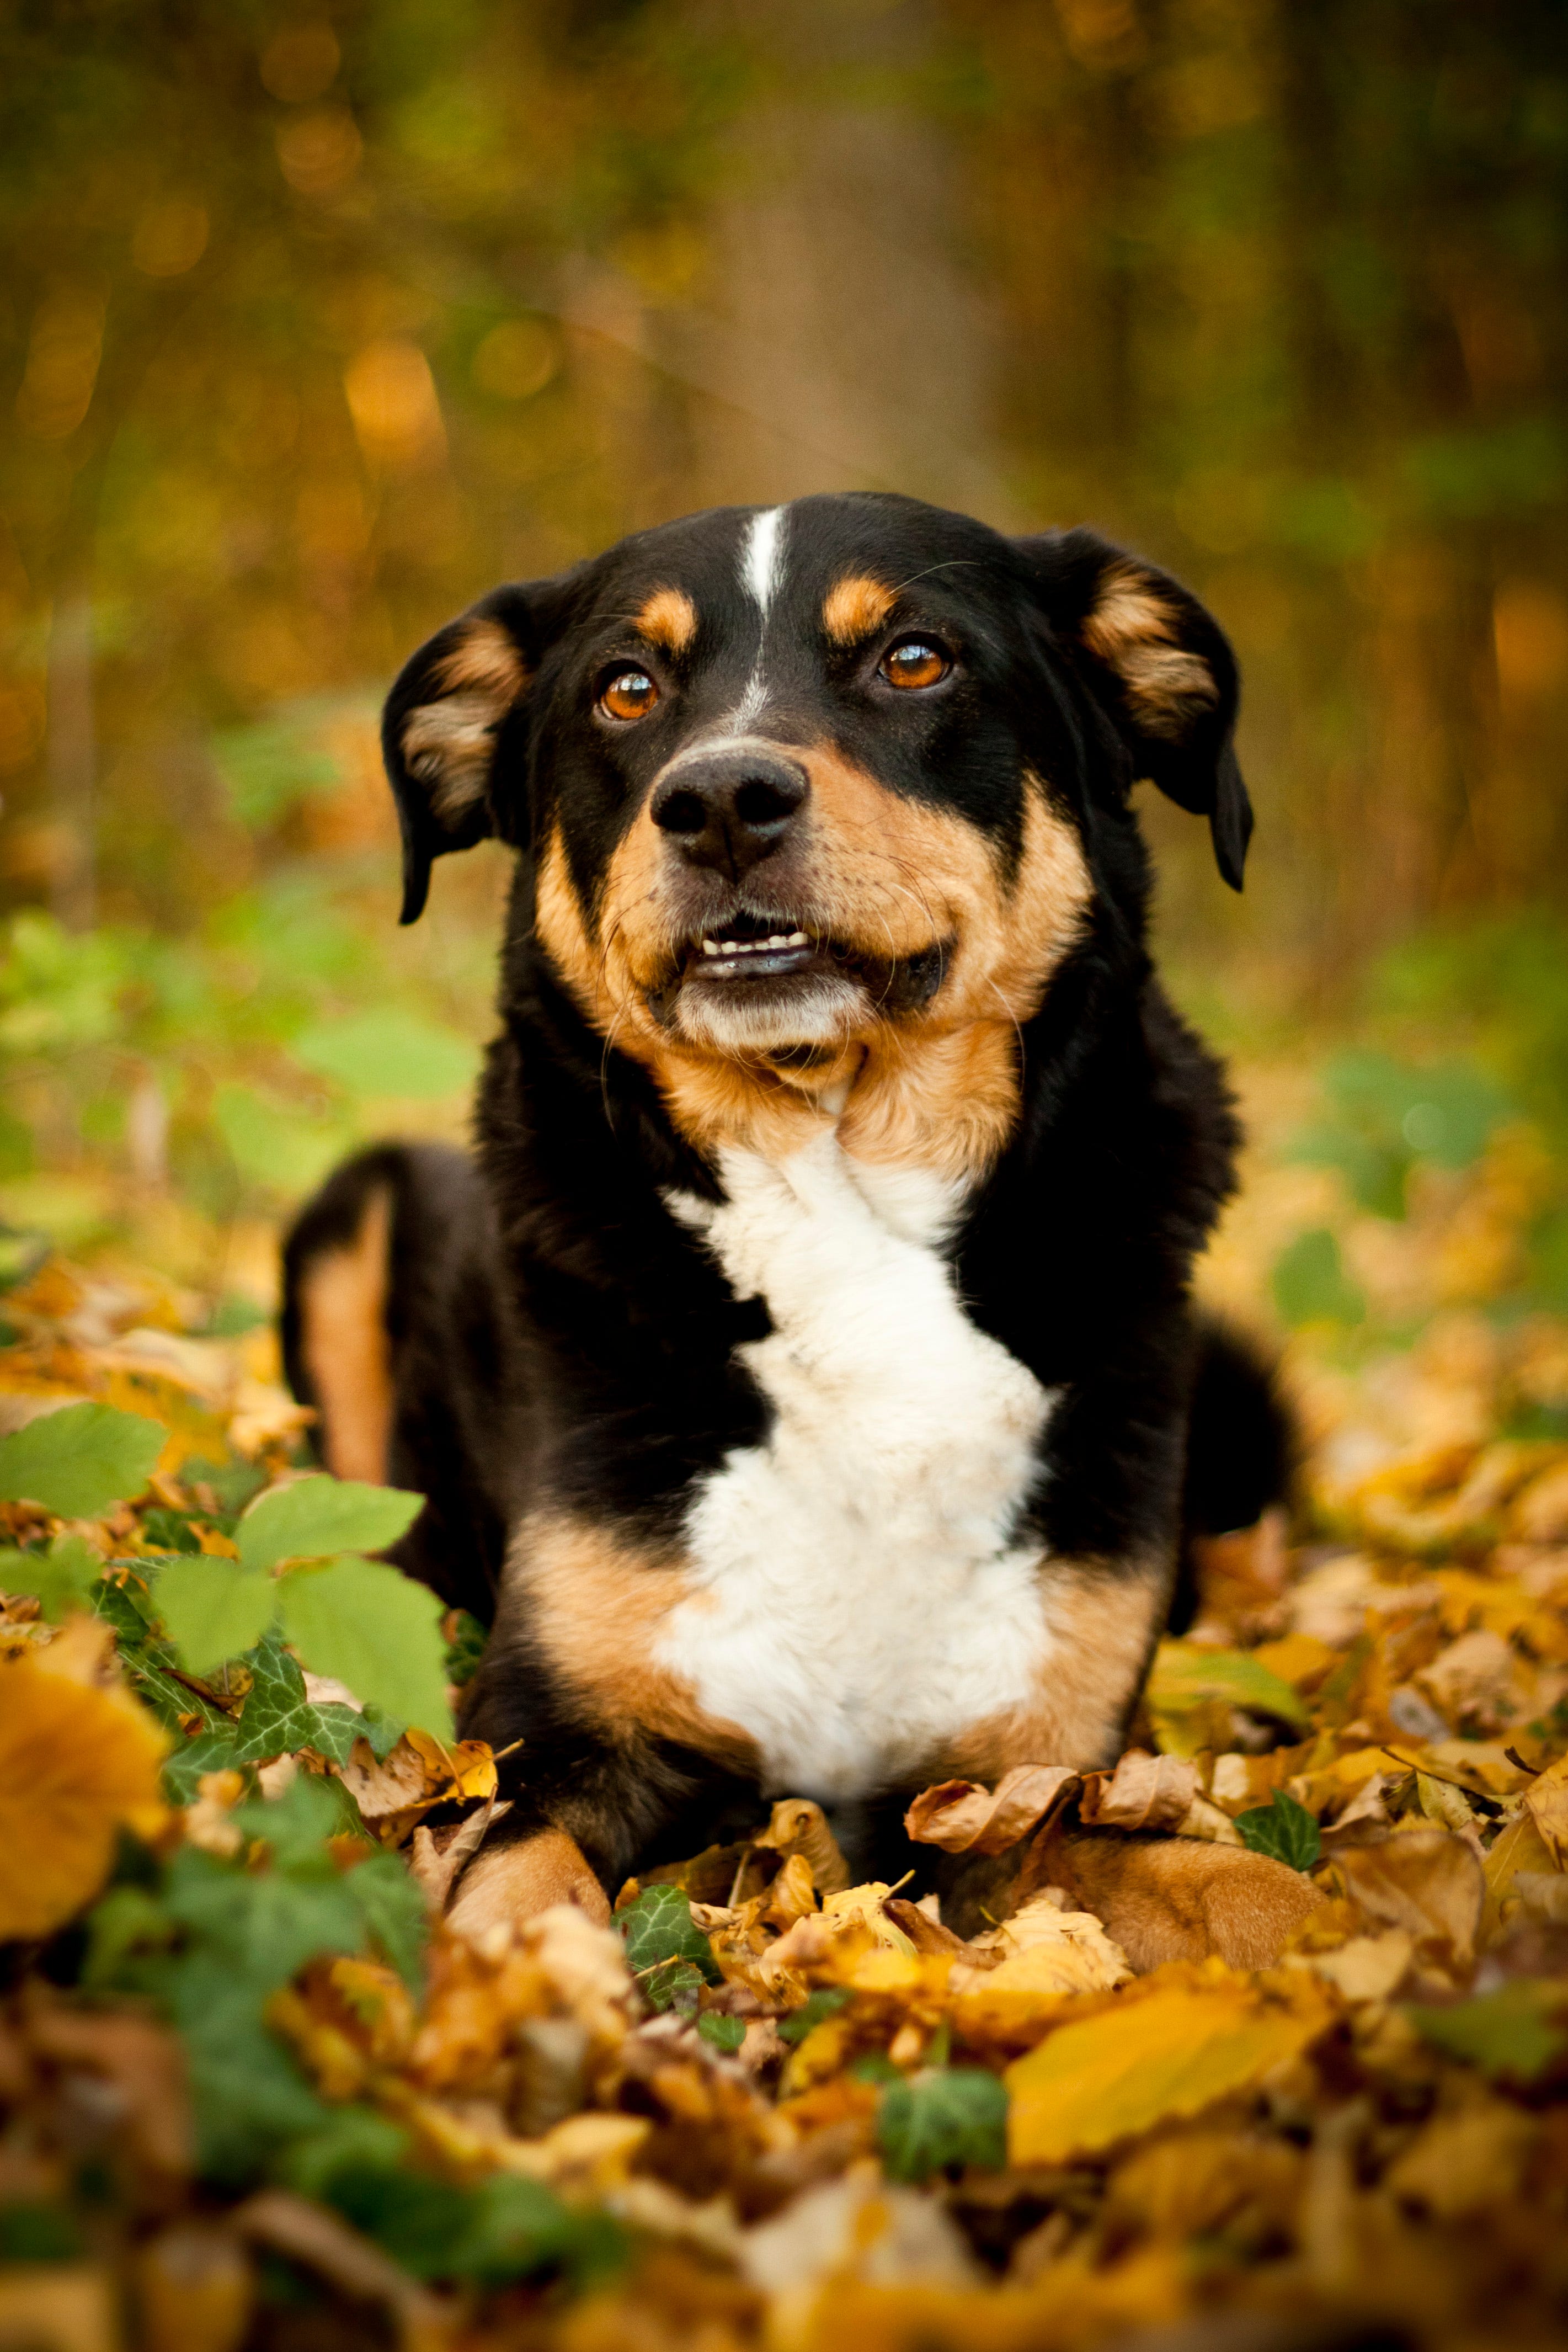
pixel 317 320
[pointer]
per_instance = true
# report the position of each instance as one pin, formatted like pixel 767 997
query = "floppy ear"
pixel 1162 668
pixel 441 727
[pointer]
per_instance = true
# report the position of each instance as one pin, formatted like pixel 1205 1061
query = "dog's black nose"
pixel 730 809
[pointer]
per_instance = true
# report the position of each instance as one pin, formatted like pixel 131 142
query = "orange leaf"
pixel 76 1761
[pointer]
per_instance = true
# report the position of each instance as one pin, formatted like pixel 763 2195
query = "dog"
pixel 802 1374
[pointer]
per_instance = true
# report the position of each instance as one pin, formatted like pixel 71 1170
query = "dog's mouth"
pixel 753 947
pixel 754 959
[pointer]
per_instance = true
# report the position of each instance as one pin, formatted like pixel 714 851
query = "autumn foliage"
pixel 1271 2020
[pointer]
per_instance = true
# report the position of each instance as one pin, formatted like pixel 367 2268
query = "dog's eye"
pixel 630 694
pixel 914 662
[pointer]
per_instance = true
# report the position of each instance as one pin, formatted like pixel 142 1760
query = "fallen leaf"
pixel 963 1816
pixel 1426 1882
pixel 1546 1800
pixel 1463 2164
pixel 1515 2032
pixel 799 1825
pixel 76 1762
pixel 1283 1829
pixel 1367 1968
pixel 1092 2084
pixel 1144 1793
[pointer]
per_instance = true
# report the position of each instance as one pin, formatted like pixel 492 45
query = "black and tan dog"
pixel 802 1376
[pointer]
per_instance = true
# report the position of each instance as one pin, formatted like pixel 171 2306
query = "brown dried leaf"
pixel 1144 1793
pixel 1424 1881
pixel 964 1817
pixel 799 1825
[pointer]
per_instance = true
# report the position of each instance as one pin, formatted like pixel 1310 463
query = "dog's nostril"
pixel 681 813
pixel 761 802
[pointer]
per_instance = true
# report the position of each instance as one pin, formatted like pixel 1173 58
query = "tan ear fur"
pixel 1134 632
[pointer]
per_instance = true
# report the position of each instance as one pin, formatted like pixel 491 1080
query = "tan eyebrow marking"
pixel 669 619
pixel 854 608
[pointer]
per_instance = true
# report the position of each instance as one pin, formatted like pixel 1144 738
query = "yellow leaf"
pixel 1518 1847
pixel 1299 1659
pixel 1142 2063
pixel 1546 1800
pixel 75 1760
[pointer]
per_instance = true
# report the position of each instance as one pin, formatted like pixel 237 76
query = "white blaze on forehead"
pixel 759 552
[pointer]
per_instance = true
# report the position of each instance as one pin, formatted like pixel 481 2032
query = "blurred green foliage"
pixel 1383 1118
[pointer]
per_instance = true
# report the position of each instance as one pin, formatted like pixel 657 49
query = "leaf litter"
pixel 1239 2029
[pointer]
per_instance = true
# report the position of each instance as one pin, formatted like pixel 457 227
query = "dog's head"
pixel 803 785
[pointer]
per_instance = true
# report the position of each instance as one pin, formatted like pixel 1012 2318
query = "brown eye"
pixel 631 694
pixel 914 663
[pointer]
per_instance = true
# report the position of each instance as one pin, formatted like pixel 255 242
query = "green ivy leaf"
pixel 672 1984
pixel 824 2002
pixel 208 1751
pixel 376 1629
pixel 148 1660
pixel 214 1610
pixel 382 1731
pixel 62 1578
pixel 279 1719
pixel 657 1929
pixel 1284 1830
pixel 953 2114
pixel 1515 2032
pixel 720 2031
pixel 79 1461
pixel 314 1517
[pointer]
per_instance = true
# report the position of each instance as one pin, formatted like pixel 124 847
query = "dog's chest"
pixel 858 1597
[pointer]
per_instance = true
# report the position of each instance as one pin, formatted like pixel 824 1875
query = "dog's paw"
pixel 515 1882
pixel 1183 1899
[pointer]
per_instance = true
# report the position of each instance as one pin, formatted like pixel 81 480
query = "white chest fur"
pixel 857 1594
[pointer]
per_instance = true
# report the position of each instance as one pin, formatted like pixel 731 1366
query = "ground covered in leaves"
pixel 257 2095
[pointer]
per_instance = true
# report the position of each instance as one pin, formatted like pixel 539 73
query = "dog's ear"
pixel 441 725
pixel 1162 668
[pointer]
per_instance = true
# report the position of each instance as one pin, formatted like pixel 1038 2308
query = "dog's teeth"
pixel 710 947
pixel 727 947
pixel 795 939
pixel 779 941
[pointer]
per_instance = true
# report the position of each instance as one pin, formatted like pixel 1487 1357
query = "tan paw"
pixel 531 1874
pixel 1183 1899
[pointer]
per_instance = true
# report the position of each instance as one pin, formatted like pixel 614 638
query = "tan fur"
pixel 597 1607
pixel 894 878
pixel 513 1882
pixel 669 619
pixel 1185 1899
pixel 342 1307
pixel 449 743
pixel 854 608
pixel 1105 1623
pixel 1134 630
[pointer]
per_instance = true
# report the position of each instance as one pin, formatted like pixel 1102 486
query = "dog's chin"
pixel 736 1014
